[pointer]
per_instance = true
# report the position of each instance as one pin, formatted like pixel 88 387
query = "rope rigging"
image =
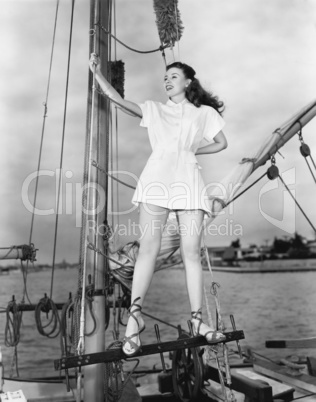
pixel 296 202
pixel 213 352
pixel 45 104
pixel 95 164
pixel 12 332
pixel 246 189
pixel 71 325
pixel 13 314
pixel 87 179
pixel 305 151
pixel 118 79
pixel 51 328
pixel 62 148
pixel 215 293
pixel 273 173
pixel 287 128
pixel 160 48
pixel 13 324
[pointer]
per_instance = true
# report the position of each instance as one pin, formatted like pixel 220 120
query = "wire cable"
pixel 301 209
pixel 45 104
pixel 160 48
pixel 62 149
pixel 247 188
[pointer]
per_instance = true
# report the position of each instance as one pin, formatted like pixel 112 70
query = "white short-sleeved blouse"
pixel 172 176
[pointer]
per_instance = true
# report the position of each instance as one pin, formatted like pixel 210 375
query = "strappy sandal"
pixel 128 339
pixel 214 336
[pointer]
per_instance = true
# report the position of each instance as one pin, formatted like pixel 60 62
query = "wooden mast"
pixel 98 110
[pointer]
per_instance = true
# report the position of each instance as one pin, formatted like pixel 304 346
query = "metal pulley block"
pixel 305 150
pixel 273 172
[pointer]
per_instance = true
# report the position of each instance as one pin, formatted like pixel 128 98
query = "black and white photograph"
pixel 158 186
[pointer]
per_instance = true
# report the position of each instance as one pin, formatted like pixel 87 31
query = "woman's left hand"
pixel 94 63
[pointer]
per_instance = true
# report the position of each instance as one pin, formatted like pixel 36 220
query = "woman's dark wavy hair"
pixel 195 93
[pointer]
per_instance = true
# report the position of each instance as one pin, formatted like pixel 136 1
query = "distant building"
pixel 216 254
pixel 311 245
pixel 229 254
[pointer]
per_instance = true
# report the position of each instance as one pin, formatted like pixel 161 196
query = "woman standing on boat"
pixel 171 181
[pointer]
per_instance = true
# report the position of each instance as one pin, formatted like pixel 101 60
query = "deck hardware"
pixel 232 320
pixel 201 352
pixel 149 349
pixel 164 378
pixel 187 373
pixel 163 364
pixel 67 380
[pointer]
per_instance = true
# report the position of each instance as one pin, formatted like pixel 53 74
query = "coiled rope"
pixel 66 325
pixel 52 327
pixel 12 332
pixel 13 324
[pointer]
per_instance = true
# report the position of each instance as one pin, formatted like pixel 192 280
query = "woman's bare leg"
pixel 152 218
pixel 190 225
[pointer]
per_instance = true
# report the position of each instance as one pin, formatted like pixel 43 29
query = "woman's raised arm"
pixel 127 106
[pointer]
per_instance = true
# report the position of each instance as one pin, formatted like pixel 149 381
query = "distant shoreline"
pixel 265 266
pixel 270 266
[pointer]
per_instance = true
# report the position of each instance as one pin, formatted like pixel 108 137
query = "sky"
pixel 258 57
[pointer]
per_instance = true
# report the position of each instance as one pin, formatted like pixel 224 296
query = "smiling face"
pixel 175 82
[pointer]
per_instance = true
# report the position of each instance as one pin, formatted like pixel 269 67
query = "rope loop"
pixel 220 200
pixel 52 327
pixel 214 287
pixel 278 131
pixel 90 292
pixel 245 160
pixel 13 324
